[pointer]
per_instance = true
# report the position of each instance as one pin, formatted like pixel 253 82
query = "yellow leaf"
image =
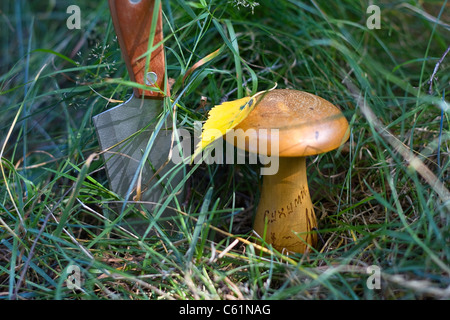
pixel 224 117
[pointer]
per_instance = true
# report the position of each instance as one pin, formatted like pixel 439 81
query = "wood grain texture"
pixel 132 22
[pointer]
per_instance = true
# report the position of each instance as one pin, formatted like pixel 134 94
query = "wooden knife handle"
pixel 132 21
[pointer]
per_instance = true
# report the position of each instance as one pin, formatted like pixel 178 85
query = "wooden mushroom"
pixel 308 125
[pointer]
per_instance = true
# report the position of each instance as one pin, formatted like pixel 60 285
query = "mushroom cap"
pixel 307 125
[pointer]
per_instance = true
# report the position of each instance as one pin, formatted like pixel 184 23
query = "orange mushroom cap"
pixel 307 124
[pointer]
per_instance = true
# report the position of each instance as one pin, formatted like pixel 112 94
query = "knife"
pixel 125 131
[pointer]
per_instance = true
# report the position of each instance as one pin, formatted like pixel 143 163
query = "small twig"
pixel 436 67
pixel 430 92
pixel 144 284
pixel 231 246
pixel 420 286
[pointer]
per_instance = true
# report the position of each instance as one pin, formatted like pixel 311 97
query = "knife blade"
pixel 132 149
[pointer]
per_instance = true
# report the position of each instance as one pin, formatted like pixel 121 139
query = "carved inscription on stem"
pixel 309 238
pixel 271 216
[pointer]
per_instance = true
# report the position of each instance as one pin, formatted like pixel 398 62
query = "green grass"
pixel 381 199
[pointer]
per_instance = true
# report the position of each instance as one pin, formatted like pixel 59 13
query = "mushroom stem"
pixel 285 216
